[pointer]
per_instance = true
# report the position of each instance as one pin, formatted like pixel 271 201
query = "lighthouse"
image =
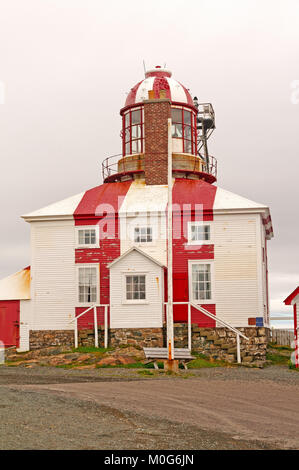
pixel 99 271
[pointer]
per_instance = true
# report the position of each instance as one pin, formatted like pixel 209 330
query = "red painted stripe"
pixel 94 206
pixel 158 74
pixel 194 192
pixel 161 83
pixel 188 96
pixel 190 193
pixel 131 98
pixel 95 200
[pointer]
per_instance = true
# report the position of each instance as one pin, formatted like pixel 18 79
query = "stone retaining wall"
pixel 145 337
pixel 45 338
pixel 217 343
pixel 221 343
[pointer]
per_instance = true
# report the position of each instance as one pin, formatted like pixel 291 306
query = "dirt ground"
pixel 217 408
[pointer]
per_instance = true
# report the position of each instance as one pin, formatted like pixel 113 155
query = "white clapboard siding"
pixel 143 315
pixel 238 287
pixel 53 283
pixel 25 322
pixel 145 205
pixel 157 249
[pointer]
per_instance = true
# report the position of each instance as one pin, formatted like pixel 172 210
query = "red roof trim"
pixel 289 299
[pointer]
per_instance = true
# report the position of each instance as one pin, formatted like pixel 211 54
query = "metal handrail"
pixel 222 322
pixel 110 165
pixel 217 319
pixel 95 321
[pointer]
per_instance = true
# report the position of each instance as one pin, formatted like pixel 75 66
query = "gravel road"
pixel 231 408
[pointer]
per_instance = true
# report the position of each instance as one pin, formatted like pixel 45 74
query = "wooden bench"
pixel 180 354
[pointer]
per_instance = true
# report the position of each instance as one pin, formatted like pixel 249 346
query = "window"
pixel 88 284
pixel 87 237
pixel 133 132
pixel 201 278
pixel 199 233
pixel 143 234
pixel 135 287
pixel 184 129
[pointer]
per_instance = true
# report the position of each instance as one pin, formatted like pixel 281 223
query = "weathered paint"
pixel 59 210
pixel 16 286
pixel 98 204
pixel 131 201
pixel 157 80
pixel 187 195
pixel 141 202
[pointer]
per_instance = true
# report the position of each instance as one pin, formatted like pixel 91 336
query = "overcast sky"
pixel 67 66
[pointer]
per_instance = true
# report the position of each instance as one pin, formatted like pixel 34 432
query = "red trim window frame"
pixel 184 127
pixel 133 132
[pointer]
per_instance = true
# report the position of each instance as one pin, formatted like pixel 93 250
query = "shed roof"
pixel 291 297
pixel 16 286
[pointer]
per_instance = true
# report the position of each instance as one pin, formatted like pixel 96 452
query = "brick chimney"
pixel 156 113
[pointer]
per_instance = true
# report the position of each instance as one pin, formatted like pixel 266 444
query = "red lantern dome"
pixel 159 79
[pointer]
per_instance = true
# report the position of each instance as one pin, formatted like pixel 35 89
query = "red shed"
pixel 14 290
pixel 293 299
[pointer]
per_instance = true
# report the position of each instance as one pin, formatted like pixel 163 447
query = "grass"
pixel 279 347
pixel 279 355
pixel 145 373
pixel 91 349
pixel 277 359
pixel 203 361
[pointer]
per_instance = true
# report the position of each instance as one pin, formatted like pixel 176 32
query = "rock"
pixel 72 356
pixel 84 357
pixel 57 361
pixel 126 360
pixel 248 359
pixel 261 331
pixel 109 361
pixel 116 360
pixel 259 364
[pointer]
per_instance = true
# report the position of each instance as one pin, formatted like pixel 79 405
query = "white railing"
pixel 217 319
pixel 95 321
pixel 190 304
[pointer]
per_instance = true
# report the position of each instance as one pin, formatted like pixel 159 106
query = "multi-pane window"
pixel 133 132
pixel 88 284
pixel 143 234
pixel 201 282
pixel 135 287
pixel 199 233
pixel 184 129
pixel 87 236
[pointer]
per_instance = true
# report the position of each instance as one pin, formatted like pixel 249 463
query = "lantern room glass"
pixel 184 130
pixel 133 132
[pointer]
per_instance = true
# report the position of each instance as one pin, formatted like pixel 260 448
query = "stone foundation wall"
pixel 217 343
pixel 145 337
pixel 221 343
pixel 86 337
pixel 45 338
